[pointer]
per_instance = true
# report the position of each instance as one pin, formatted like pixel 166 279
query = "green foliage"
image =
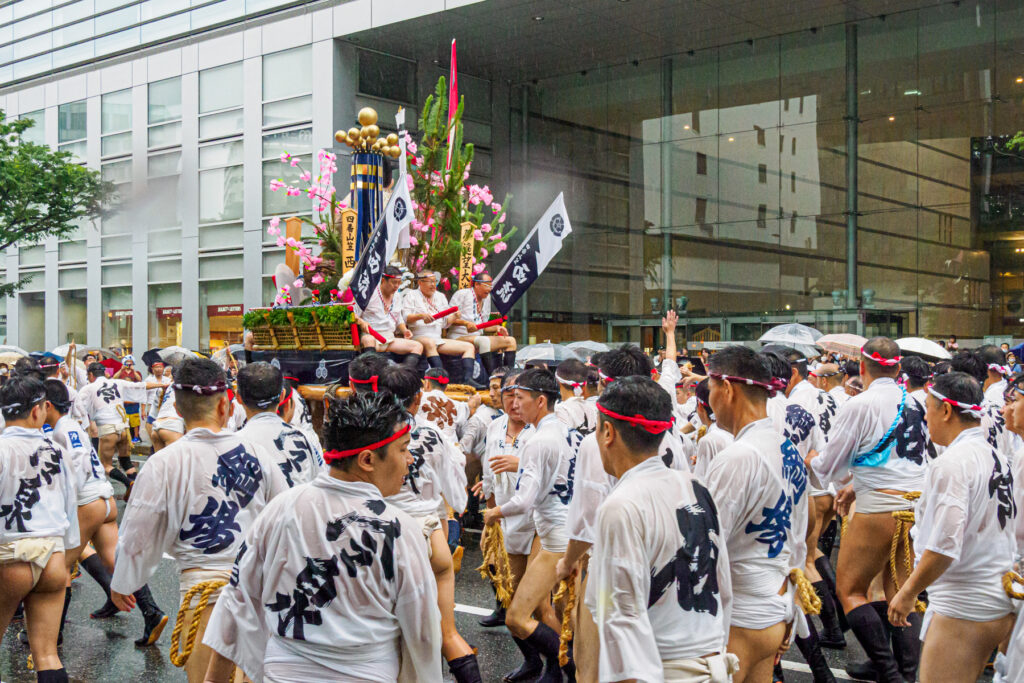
pixel 278 317
pixel 43 193
pixel 441 200
pixel 337 316
pixel 302 317
pixel 253 319
pixel 1016 143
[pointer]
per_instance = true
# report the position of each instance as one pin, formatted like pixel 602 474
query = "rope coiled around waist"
pixel 904 520
pixel 1009 578
pixel 205 589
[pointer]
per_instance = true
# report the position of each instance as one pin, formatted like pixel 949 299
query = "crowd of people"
pixel 707 515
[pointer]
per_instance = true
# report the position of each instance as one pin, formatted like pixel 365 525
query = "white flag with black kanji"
pixel 532 257
pixel 381 245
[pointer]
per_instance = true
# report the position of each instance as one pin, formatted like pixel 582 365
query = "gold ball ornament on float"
pixel 353 135
pixel 342 137
pixel 367 116
pixel 374 130
pixel 392 139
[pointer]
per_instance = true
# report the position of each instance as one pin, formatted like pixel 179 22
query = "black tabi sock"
pixel 508 358
pixel 465 669
pixel 125 462
pixel 144 599
pixel 829 618
pixel 93 566
pixel 435 361
pixel 906 645
pixel 52 676
pixel 811 651
pixel 119 476
pixel 412 360
pixel 64 613
pixel 873 635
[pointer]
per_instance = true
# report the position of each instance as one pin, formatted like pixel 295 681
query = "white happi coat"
pixel 330 583
pixel 103 399
pixel 994 424
pixel 759 484
pixel 967 512
pixel 440 410
pixel 90 478
pixel 858 429
pixel 38 497
pixel 383 318
pixel 299 461
pixel 414 303
pixel 545 482
pixel 303 420
pixel 677 446
pixel 659 585
pixel 502 485
pixel 708 446
pixel 839 394
pixel 795 423
pixel 578 413
pixel 466 300
pixel 437 474
pixel 592 484
pixel 473 439
pixel 818 403
pixel 194 500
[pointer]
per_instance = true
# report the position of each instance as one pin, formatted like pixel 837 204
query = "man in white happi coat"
pixel 759 484
pixel 260 388
pixel 577 385
pixel 494 344
pixel 436 480
pixel 659 586
pixel 385 315
pixel 194 500
pixel 332 582
pixel 545 487
pixel 880 438
pixel 38 522
pixel 423 309
pixel 963 538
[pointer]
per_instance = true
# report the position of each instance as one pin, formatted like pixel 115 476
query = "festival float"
pixel 310 330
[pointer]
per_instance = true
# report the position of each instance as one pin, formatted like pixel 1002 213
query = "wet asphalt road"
pixel 103 650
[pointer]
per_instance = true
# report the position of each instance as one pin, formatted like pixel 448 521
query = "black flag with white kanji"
pixel 532 257
pixel 382 243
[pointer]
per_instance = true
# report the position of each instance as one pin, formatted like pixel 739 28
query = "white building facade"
pixel 187 109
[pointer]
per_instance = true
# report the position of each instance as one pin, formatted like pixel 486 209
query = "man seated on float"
pixel 384 314
pixel 495 346
pixel 421 305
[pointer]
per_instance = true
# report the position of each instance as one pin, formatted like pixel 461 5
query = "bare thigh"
pixel 108 446
pixel 756 651
pixel 535 587
pixel 811 539
pixel 586 641
pixel 453 347
pixel 43 607
pixel 91 517
pixel 825 512
pixel 955 650
pixel 404 346
pixel 15 583
pixel 863 554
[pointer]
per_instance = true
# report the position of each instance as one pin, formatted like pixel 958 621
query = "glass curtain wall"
pixel 715 181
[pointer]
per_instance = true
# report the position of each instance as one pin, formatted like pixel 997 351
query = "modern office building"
pixel 837 162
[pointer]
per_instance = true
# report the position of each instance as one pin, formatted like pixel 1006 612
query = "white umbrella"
pixel 846 344
pixel 587 349
pixel 926 348
pixel 545 353
pixel 791 334
pixel 7 348
pixel 221 355
pixel 81 351
pixel 175 354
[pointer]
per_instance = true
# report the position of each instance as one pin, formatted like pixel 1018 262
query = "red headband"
pixel 372 381
pixel 768 386
pixel 888 362
pixel 608 378
pixel 972 410
pixel 391 277
pixel 331 456
pixel 287 397
pixel 652 426
pixel 439 380
pixel 294 379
